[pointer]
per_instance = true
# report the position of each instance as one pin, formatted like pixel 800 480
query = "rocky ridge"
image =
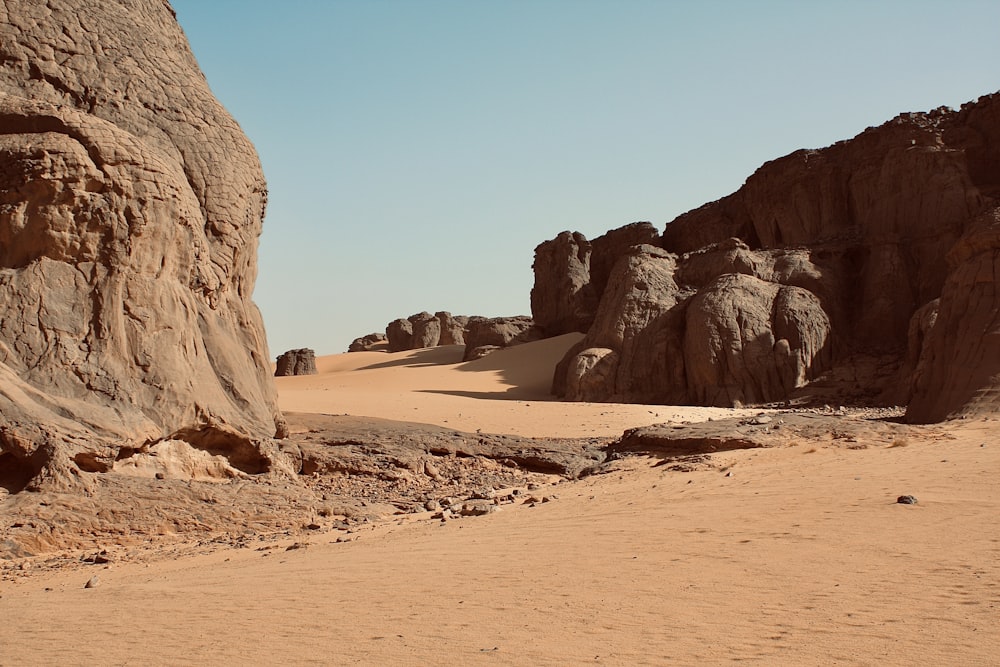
pixel 872 260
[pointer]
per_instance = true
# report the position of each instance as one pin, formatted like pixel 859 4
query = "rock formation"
pixel 399 333
pixel 877 247
pixel 366 343
pixel 572 272
pixel 483 335
pixel 130 208
pixel 296 362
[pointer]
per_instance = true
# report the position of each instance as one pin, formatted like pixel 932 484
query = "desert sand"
pixel 795 554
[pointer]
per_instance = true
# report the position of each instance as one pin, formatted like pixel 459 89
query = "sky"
pixel 417 151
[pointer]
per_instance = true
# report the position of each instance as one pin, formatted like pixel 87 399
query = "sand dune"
pixel 505 392
pixel 796 555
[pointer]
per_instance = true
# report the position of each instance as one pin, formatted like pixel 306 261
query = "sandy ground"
pixel 505 392
pixel 793 555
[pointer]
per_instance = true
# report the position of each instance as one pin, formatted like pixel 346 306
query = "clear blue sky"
pixel 417 151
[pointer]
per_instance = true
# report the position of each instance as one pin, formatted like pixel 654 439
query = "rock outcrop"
pixel 130 208
pixel 367 343
pixel 480 335
pixel 296 362
pixel 571 274
pixel 877 247
pixel 486 334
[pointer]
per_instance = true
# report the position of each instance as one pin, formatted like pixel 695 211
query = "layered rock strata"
pixel 878 247
pixel 130 208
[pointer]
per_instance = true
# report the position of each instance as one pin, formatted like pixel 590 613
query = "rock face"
pixel 877 247
pixel 399 333
pixel 296 362
pixel 571 274
pixel 130 207
pixel 562 299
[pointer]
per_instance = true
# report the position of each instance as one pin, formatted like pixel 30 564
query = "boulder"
pixel 296 362
pixel 748 341
pixel 399 333
pixel 367 343
pixel 130 208
pixel 562 299
pixel 498 332
pixel 426 331
pixel 452 328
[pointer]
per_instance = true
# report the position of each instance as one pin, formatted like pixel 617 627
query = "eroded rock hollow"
pixel 130 208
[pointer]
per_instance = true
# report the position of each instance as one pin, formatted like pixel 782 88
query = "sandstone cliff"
pixel 130 208
pixel 881 247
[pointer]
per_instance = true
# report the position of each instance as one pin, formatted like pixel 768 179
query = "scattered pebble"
pixel 93 582
pixel 906 500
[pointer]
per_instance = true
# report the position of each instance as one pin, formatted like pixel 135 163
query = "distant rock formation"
pixel 130 208
pixel 880 247
pixel 424 330
pixel 483 335
pixel 296 362
pixel 367 343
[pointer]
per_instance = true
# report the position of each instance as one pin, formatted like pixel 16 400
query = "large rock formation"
pixel 572 272
pixel 881 246
pixel 130 208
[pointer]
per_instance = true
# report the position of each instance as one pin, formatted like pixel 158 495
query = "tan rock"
pixel 130 207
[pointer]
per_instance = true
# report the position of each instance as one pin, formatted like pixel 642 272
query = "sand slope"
pixel 505 392
pixel 797 555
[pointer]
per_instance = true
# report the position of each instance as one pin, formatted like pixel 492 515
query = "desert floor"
pixel 791 555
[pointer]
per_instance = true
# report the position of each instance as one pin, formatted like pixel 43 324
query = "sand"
pixel 505 392
pixel 794 555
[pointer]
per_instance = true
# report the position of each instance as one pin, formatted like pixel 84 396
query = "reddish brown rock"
pixel 959 365
pixel 130 208
pixel 452 328
pixel 825 259
pixel 497 332
pixel 399 333
pixel 426 331
pixel 562 299
pixel 367 343
pixel 571 274
pixel 749 341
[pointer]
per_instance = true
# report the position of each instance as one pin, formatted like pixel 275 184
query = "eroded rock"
pixel 130 208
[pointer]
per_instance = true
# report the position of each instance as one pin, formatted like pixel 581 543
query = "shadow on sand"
pixel 443 355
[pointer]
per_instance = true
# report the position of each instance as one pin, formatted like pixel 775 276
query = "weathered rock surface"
pixel 399 333
pixel 130 208
pixel 497 332
pixel 452 328
pixel 479 335
pixel 426 331
pixel 367 343
pixel 296 362
pixel 824 260
pixel 571 274
pixel 562 298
